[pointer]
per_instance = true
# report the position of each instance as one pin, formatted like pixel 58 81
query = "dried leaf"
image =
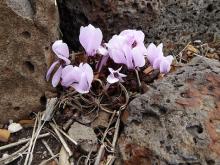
pixel 26 123
pixel 96 76
pixel 192 49
pixel 4 135
pixel 124 116
pixel 148 70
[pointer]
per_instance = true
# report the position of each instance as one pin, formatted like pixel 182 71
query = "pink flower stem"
pixel 103 60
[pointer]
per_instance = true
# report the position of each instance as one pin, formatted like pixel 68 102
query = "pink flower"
pixel 90 38
pixel 123 52
pixel 133 37
pixel 116 49
pixel 157 59
pixel 163 63
pixel 154 52
pixel 62 52
pixel 115 76
pixel 80 78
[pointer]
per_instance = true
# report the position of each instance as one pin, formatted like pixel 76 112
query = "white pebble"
pixel 5 155
pixel 14 127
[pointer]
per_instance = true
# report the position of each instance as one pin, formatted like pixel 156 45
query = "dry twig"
pixel 49 150
pixel 22 141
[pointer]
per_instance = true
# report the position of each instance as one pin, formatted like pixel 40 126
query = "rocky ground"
pixel 176 118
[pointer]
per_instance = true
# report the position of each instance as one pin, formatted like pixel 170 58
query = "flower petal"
pixel 139 36
pixel 51 69
pixel 129 35
pixel 156 64
pixel 169 59
pixel 115 47
pixel 111 70
pixel 154 52
pixel 82 86
pixel 138 57
pixel 142 48
pixel 160 47
pixel 128 57
pixel 119 69
pixel 67 61
pixel 151 53
pixel 122 75
pixel 70 75
pixel 56 77
pixel 111 79
pixel 60 48
pixel 90 38
pixel 133 35
pixel 117 55
pixel 164 66
pixel 87 69
pixel 103 51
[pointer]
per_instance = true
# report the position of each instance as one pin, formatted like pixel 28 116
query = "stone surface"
pixel 101 120
pixel 177 121
pixel 27 30
pixel 171 21
pixel 84 135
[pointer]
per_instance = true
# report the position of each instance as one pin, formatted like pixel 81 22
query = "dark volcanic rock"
pixel 170 21
pixel 27 30
pixel 178 120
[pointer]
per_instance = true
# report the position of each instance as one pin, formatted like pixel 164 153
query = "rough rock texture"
pixel 172 21
pixel 85 136
pixel 178 120
pixel 27 30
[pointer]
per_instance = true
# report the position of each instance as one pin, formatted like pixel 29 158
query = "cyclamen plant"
pixel 126 48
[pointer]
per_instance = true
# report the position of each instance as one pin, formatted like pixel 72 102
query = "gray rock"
pixel 171 21
pixel 178 120
pixel 27 30
pixel 85 136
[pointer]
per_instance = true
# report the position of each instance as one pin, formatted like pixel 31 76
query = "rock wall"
pixel 27 30
pixel 177 121
pixel 171 21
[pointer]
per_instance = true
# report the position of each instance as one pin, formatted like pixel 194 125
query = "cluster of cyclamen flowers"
pixel 126 48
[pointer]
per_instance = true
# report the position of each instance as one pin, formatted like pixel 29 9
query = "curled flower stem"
pixel 138 78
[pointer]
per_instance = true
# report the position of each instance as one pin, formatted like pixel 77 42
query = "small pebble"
pixel 5 155
pixel 14 127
